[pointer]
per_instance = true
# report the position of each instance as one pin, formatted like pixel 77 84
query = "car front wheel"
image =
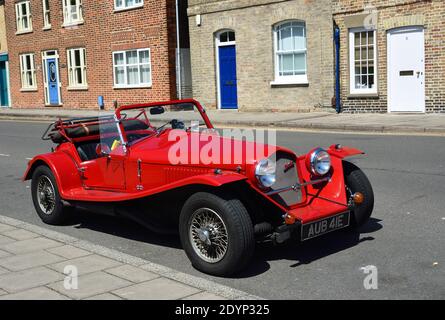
pixel 216 233
pixel 46 197
pixel 356 181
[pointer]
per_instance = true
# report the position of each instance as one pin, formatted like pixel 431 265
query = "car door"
pixel 106 173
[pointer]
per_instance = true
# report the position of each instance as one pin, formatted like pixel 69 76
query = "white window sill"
pixel 278 83
pixel 128 8
pixel 28 90
pixel 23 32
pixel 133 87
pixel 72 24
pixel 77 88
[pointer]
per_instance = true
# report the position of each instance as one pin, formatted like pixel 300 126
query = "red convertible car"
pixel 136 163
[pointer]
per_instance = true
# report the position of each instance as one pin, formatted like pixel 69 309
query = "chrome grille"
pixel 287 175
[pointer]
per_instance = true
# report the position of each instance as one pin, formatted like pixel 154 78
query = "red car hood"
pixel 178 147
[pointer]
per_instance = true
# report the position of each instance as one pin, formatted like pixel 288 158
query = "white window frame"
pixel 67 18
pixel 20 17
pixel 46 15
pixel 124 6
pixel 352 89
pixel 24 73
pixel 73 82
pixel 125 65
pixel 291 79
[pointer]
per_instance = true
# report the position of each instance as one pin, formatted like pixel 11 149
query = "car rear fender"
pixel 63 167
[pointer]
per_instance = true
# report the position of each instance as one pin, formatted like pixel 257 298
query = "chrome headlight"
pixel 320 162
pixel 265 172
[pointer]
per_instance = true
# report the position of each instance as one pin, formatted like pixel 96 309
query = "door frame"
pixel 388 41
pixel 45 57
pixel 8 84
pixel 219 44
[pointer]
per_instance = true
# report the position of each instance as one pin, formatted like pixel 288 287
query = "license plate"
pixel 320 227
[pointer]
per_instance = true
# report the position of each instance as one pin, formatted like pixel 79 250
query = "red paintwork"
pixel 115 178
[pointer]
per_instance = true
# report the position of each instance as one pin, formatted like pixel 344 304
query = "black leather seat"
pixel 87 151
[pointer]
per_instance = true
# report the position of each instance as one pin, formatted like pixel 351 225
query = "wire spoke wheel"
pixel 46 196
pixel 208 235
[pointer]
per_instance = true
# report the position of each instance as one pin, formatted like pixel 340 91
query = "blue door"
pixel 53 81
pixel 4 95
pixel 227 75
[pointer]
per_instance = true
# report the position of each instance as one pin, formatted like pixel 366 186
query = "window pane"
pixel 120 75
pixel 357 82
pixel 287 66
pixel 132 57
pixel 144 57
pixel 145 74
pixel 285 43
pixel 224 37
pixel 231 36
pixel 132 75
pixel 300 63
pixel 299 38
pixel 79 78
pixel 77 58
pixel 118 58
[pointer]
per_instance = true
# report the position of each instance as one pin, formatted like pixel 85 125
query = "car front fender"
pixel 343 152
pixel 62 166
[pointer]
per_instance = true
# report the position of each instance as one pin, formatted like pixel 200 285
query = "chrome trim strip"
pixel 298 186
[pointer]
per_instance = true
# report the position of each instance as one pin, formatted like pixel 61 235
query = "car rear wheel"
pixel 46 197
pixel 216 233
pixel 356 181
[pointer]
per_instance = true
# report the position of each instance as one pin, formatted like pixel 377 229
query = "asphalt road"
pixel 405 239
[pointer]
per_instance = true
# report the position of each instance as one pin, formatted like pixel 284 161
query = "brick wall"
pixel 103 32
pixel 253 21
pixel 393 14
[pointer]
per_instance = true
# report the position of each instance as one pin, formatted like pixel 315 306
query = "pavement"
pixel 40 264
pixel 428 124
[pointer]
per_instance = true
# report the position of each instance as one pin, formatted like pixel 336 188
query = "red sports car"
pixel 223 194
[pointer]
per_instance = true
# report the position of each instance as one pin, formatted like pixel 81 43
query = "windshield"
pixel 140 123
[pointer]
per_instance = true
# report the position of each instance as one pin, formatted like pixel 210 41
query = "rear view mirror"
pixel 157 110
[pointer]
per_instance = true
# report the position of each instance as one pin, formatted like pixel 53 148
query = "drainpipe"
pixel 337 68
pixel 178 57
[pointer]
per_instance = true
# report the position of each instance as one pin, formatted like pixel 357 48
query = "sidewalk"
pixel 430 124
pixel 33 262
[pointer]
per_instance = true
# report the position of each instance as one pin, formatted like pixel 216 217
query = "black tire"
pixel 57 215
pixel 239 230
pixel 356 181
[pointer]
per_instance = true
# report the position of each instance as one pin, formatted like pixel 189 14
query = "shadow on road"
pixel 299 253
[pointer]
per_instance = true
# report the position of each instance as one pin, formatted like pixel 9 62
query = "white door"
pixel 406 70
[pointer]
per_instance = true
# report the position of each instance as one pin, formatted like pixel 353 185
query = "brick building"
pixel 262 55
pixel 67 53
pixel 392 55
pixel 4 64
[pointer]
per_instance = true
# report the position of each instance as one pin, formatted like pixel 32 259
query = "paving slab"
pixel 87 264
pixel 69 252
pixel 3 270
pixel 27 279
pixel 157 289
pixel 29 260
pixel 6 227
pixel 132 274
pixel 20 234
pixel 5 240
pixel 40 293
pixel 105 296
pixel 30 245
pixel 91 285
pixel 4 254
pixel 204 296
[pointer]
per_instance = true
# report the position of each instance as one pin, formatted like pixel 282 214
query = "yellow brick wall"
pixel 3 46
